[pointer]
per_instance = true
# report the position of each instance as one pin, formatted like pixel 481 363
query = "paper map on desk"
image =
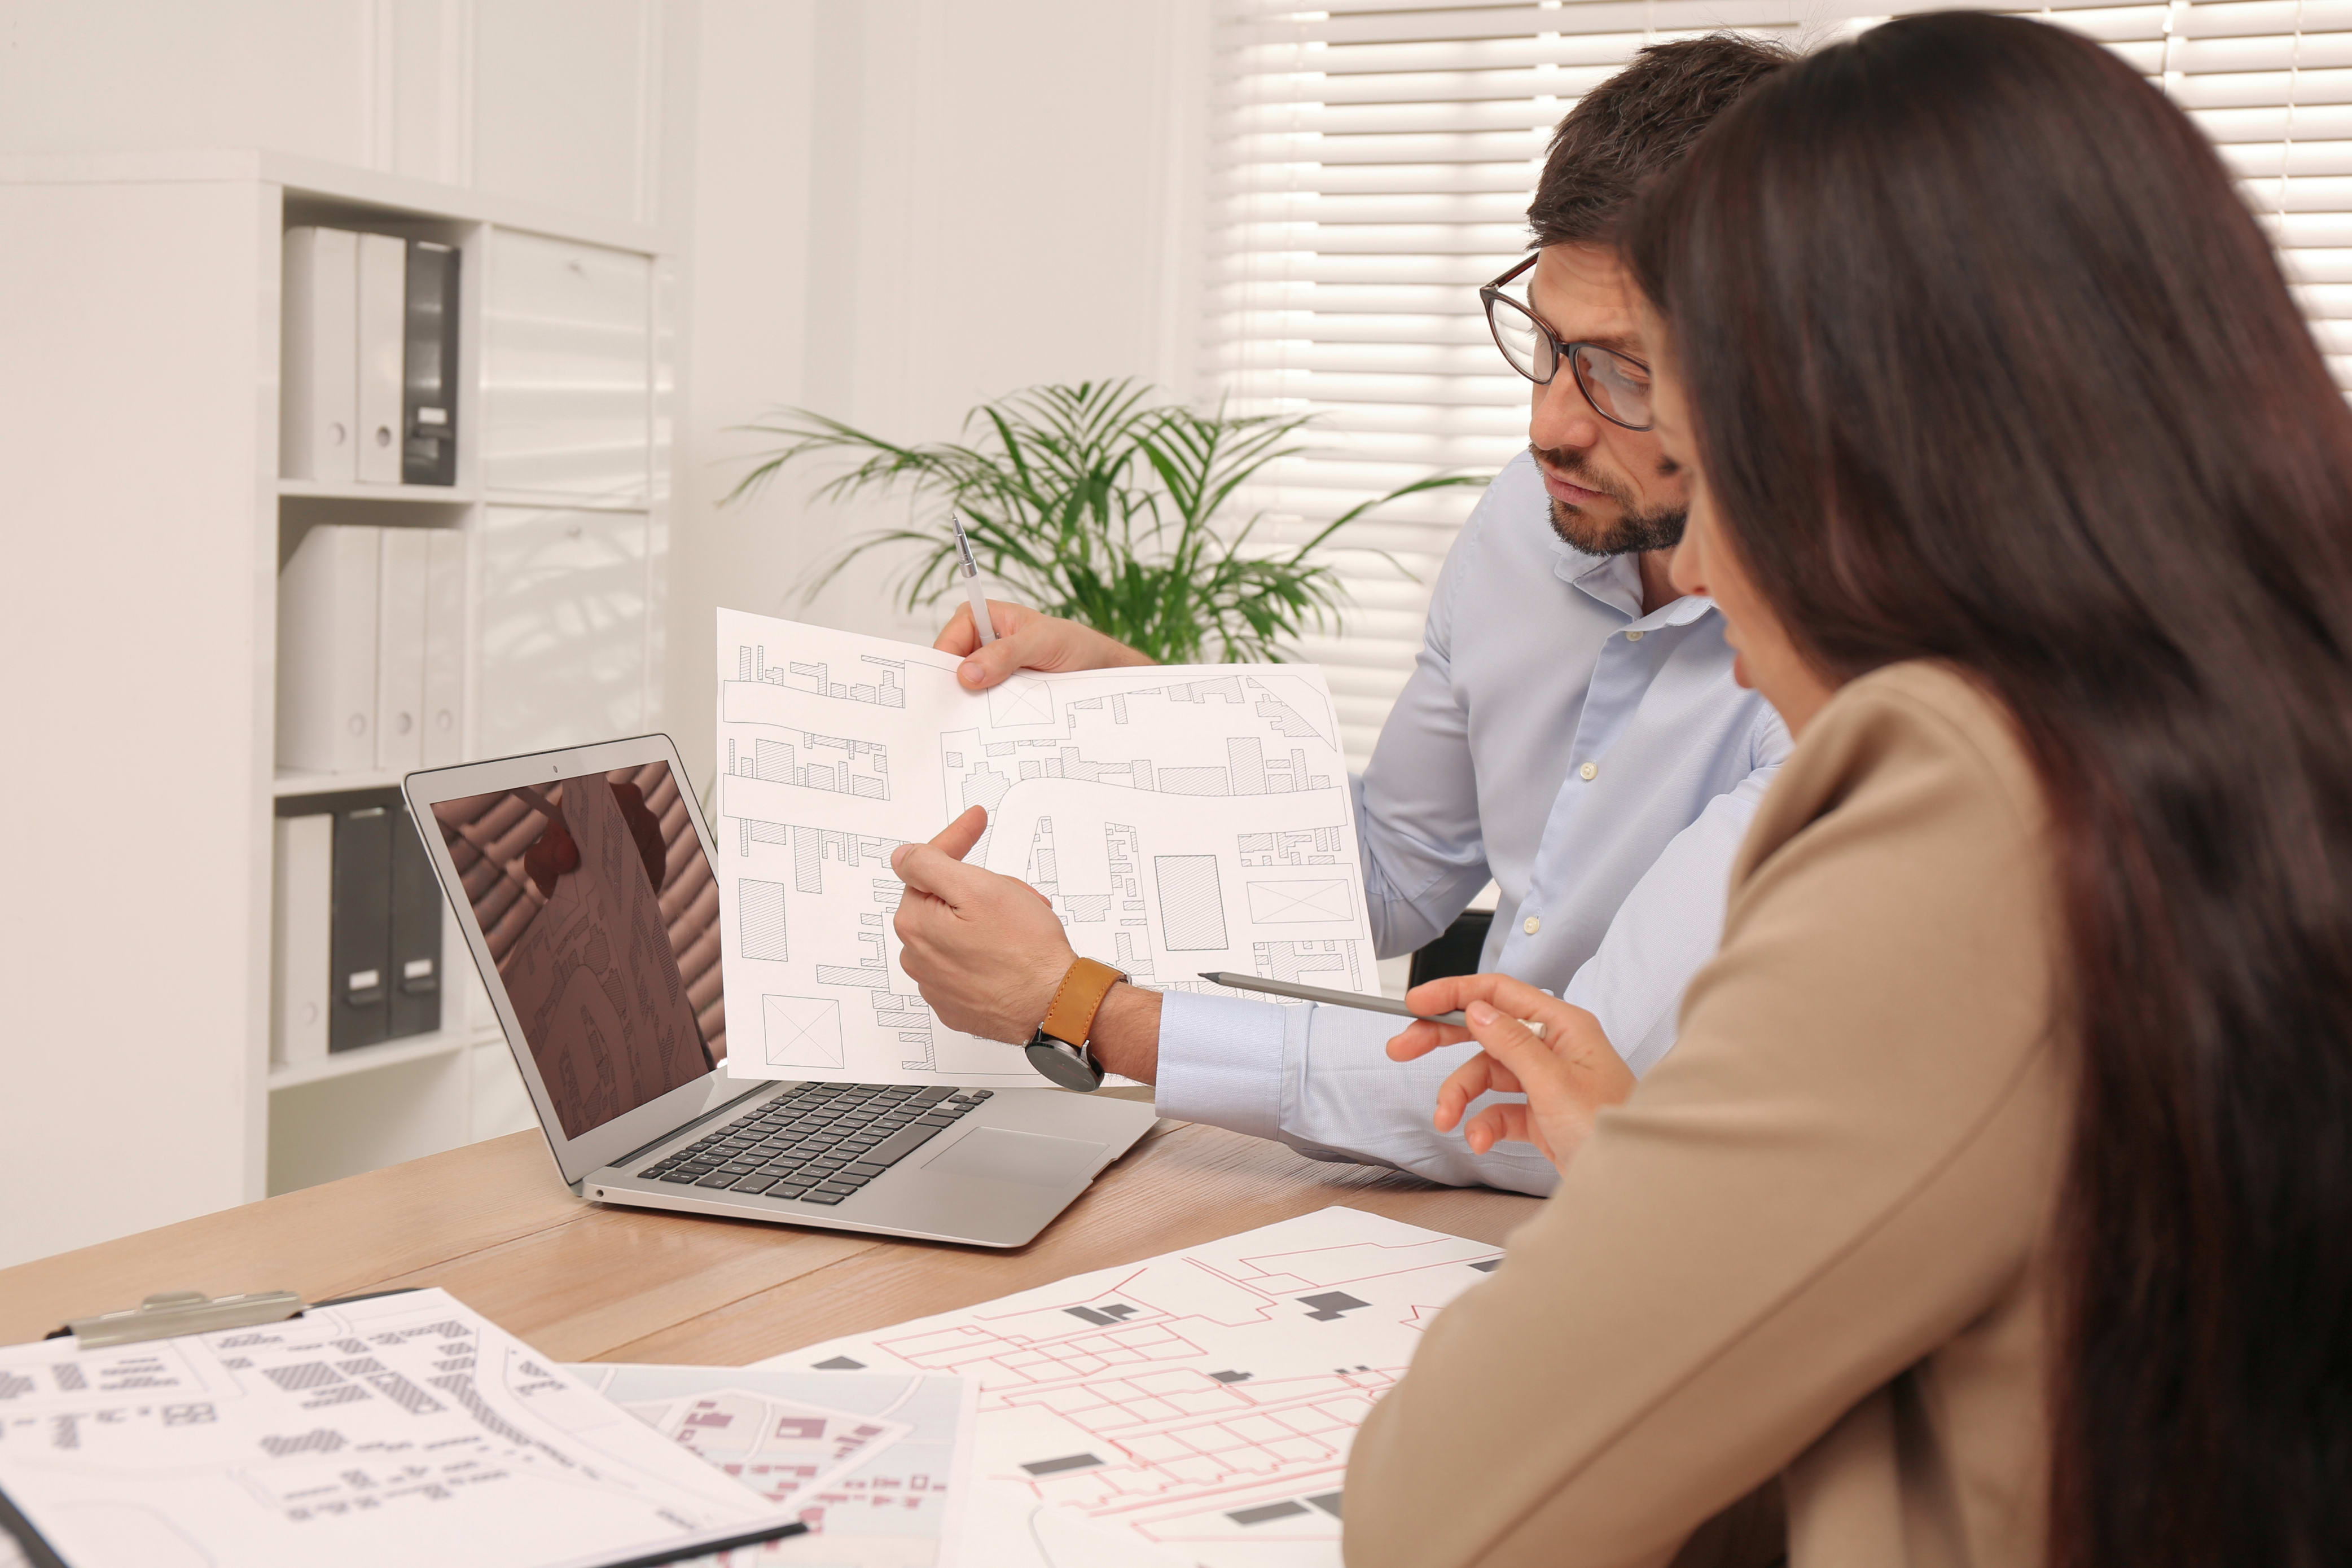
pixel 874 1462
pixel 1195 1407
pixel 1180 819
pixel 401 1430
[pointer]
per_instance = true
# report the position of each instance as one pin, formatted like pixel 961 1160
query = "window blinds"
pixel 1372 164
pixel 2270 82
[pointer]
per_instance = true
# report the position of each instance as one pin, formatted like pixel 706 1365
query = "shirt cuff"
pixel 1221 1062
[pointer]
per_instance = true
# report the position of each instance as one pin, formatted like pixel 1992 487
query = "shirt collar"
pixel 1616 581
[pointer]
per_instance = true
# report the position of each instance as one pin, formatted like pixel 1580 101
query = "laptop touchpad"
pixel 1032 1159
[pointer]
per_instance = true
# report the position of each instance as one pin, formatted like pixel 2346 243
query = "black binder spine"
pixel 416 971
pixel 359 993
pixel 429 373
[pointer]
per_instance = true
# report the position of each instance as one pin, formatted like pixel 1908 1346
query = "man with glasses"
pixel 1573 730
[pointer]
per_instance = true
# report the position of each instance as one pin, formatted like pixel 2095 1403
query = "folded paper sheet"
pixel 1192 1409
pixel 1179 819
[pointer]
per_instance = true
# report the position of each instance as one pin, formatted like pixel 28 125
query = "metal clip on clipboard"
pixel 168 1313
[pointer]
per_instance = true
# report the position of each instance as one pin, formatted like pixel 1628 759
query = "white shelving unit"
pixel 433 495
pixel 157 560
pixel 367 1059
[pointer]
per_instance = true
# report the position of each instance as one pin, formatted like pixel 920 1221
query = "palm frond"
pixel 1094 502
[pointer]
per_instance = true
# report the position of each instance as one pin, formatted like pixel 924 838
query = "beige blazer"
pixel 1815 1244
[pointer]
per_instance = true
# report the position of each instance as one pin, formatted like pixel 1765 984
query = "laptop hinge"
pixel 712 1114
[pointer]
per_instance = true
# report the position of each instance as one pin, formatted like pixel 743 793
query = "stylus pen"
pixel 1329 998
pixel 971 584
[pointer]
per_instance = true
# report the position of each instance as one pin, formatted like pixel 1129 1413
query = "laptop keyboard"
pixel 820 1142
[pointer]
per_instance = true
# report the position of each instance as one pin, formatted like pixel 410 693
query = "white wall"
pixel 901 208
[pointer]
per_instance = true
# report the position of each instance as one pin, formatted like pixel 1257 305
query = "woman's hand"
pixel 1570 1073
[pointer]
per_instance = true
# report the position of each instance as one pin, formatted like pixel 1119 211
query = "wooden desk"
pixel 584 1282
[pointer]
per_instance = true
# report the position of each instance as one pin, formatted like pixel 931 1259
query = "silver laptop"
pixel 605 974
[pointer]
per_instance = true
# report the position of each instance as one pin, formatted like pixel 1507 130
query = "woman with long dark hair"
pixel 1996 1206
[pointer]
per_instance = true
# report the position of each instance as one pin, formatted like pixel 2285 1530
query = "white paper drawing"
pixel 1178 820
pixel 876 1463
pixel 1193 1409
pixel 392 1431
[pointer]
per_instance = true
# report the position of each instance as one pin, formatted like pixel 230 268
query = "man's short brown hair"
pixel 1632 126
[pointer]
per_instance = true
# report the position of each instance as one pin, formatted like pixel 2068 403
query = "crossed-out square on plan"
pixel 1300 903
pixel 1021 701
pixel 801 1031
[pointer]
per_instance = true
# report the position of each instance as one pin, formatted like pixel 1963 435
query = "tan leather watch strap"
pixel 1071 1019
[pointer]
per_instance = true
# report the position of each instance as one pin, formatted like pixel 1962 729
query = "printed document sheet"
pixel 873 1462
pixel 397 1431
pixel 1180 819
pixel 1194 1408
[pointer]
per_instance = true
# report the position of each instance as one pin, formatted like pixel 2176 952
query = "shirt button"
pixel 1591 770
pixel 1633 636
pixel 1531 924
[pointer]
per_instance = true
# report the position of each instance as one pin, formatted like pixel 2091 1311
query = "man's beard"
pixel 1634 530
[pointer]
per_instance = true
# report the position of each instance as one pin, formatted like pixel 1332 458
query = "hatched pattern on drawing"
pixel 1191 903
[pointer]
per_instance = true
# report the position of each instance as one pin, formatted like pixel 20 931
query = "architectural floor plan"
pixel 1194 1408
pixel 875 1463
pixel 396 1430
pixel 1178 819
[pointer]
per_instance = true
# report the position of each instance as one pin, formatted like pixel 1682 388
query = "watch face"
pixel 1065 1064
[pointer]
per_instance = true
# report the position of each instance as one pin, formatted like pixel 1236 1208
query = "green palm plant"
pixel 1095 503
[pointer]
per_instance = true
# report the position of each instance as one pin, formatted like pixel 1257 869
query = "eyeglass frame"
pixel 1562 352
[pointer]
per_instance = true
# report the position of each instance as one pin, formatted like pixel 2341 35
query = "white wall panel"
pixel 110 76
pixel 565 103
pixel 903 207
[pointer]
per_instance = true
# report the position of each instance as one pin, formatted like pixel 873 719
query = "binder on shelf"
pixel 429 399
pixel 445 648
pixel 358 989
pixel 414 971
pixel 404 581
pixel 302 914
pixel 319 356
pixel 382 341
pixel 326 651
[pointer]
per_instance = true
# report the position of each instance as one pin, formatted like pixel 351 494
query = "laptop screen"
pixel 599 908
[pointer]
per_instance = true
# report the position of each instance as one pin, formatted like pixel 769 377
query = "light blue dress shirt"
pixel 1598 764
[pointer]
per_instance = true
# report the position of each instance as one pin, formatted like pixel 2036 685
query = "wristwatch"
pixel 1058 1049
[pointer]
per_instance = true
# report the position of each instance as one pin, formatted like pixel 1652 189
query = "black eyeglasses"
pixel 1616 385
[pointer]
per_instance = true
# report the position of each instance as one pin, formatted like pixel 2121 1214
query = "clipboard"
pixel 174 1314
